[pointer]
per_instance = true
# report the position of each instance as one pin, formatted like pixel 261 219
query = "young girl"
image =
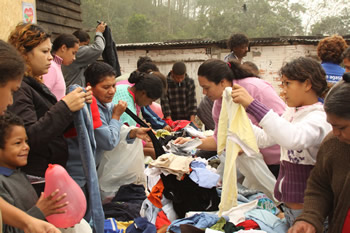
pixel 147 88
pixel 64 49
pixel 299 131
pixel 328 187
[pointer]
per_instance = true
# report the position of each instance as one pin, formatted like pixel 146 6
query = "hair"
pixel 7 121
pixel 82 36
pixel 97 72
pixel 148 67
pixel 330 49
pixel 237 40
pixel 216 70
pixel 143 60
pixel 304 68
pixel 346 54
pixel 12 64
pixel 64 39
pixel 150 83
pixel 337 101
pixel 26 37
pixel 248 65
pixel 179 68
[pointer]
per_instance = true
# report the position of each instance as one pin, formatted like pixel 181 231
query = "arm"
pixel 19 219
pixel 52 124
pixel 319 198
pixel 108 135
pixel 152 118
pixel 164 102
pixel 89 54
pixel 192 102
pixel 208 143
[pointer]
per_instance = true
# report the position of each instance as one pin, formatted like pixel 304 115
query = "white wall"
pixel 269 59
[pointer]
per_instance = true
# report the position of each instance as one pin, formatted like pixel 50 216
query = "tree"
pixel 333 25
pixel 138 28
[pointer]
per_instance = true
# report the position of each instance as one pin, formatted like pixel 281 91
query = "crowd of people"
pixel 303 139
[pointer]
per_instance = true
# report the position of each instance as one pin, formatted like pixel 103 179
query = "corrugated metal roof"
pixel 195 43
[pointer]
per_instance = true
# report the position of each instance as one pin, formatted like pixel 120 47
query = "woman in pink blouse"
pixel 64 49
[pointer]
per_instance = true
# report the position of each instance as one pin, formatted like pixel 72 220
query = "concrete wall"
pixel 10 16
pixel 269 59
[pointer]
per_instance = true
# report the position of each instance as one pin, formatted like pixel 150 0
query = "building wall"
pixel 269 59
pixel 10 16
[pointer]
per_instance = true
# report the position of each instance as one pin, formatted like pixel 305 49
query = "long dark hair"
pixel 216 70
pixel 149 83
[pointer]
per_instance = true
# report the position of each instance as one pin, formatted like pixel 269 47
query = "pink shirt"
pixel 54 79
pixel 263 92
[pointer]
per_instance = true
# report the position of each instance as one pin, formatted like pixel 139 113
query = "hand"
pixel 88 95
pixel 119 109
pixel 34 225
pixel 241 96
pixel 101 27
pixel 302 227
pixel 75 100
pixel 167 127
pixel 49 205
pixel 140 133
pixel 181 140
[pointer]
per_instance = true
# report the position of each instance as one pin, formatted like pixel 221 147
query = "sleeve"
pixel 296 136
pixel 107 136
pixel 164 102
pixel 52 124
pixel 50 79
pixel 262 139
pixel 36 213
pixel 318 198
pixel 192 102
pixel 89 54
pixel 152 118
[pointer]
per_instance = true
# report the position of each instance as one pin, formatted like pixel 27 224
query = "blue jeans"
pixel 291 214
pixel 87 148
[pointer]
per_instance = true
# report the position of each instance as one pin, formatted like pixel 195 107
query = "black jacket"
pixel 45 121
pixel 110 52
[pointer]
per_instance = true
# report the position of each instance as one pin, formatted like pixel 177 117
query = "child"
pixel 299 131
pixel 14 186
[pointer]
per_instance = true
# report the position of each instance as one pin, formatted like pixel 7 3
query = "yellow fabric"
pixel 233 119
pixel 124 225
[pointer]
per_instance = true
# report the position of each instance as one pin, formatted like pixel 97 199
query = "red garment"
pixel 96 119
pixel 177 125
pixel 248 224
pixel 346 226
pixel 156 194
pixel 162 220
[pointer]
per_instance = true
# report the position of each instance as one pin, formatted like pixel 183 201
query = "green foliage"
pixel 333 25
pixel 163 20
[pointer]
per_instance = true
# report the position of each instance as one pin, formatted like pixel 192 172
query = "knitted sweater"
pixel 328 187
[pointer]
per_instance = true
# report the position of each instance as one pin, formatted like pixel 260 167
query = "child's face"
pixel 6 93
pixel 15 152
pixel 294 92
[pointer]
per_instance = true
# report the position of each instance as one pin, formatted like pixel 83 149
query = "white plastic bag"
pixel 122 165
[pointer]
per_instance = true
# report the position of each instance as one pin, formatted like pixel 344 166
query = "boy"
pixel 14 186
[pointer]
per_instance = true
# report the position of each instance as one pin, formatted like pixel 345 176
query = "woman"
pixel 214 76
pixel 328 187
pixel 45 119
pixel 64 49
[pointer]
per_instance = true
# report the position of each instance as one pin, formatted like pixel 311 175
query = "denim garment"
pixel 202 220
pixel 87 147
